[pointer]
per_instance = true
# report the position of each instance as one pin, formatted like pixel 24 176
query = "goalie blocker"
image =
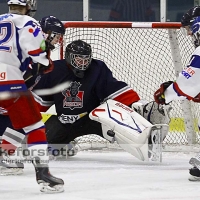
pixel 130 130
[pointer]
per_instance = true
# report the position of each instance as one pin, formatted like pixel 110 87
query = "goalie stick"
pixel 40 92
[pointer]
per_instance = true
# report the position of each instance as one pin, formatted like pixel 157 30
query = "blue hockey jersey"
pixel 84 94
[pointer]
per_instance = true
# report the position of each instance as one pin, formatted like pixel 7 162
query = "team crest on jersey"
pixel 73 97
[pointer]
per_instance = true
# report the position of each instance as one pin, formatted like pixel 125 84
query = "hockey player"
pixel 92 83
pixel 187 84
pixel 22 41
pixel 53 30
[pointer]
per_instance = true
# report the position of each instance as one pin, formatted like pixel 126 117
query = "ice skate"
pixel 195 162
pixel 10 167
pixel 47 182
pixel 194 174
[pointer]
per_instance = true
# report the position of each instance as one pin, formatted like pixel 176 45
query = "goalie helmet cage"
pixel 143 55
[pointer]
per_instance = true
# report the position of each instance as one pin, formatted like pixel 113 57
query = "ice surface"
pixel 109 176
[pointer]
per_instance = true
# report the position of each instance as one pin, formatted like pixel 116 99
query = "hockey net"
pixel 143 55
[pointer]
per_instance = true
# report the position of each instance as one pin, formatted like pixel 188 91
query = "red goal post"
pixel 144 55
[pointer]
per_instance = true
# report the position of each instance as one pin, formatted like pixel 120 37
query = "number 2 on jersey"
pixel 6 33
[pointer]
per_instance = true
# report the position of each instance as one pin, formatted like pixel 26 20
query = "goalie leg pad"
pixel 130 128
pixel 128 139
pixel 144 151
pixel 139 152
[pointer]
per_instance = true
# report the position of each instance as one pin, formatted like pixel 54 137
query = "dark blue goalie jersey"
pixel 84 94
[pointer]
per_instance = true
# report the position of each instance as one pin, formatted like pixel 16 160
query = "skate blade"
pixel 11 171
pixel 154 157
pixel 155 149
pixel 193 178
pixel 45 188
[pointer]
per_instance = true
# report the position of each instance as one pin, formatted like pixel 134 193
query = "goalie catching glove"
pixel 159 96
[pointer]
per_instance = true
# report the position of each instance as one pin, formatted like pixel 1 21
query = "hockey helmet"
pixel 195 29
pixel 53 27
pixel 78 54
pixel 190 15
pixel 30 4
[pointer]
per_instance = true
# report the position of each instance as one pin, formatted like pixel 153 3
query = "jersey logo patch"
pixel 73 97
pixel 188 72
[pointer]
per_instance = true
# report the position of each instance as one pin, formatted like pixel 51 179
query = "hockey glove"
pixel 42 69
pixel 159 96
pixel 39 69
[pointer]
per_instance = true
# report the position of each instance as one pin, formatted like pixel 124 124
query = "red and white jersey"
pixel 21 40
pixel 187 85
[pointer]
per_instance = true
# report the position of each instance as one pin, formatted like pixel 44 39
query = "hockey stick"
pixel 40 92
pixel 56 89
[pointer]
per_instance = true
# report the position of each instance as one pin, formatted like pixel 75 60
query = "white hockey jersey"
pixel 187 85
pixel 21 41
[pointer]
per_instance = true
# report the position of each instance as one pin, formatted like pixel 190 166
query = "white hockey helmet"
pixel 31 5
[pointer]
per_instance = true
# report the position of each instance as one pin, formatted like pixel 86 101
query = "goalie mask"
pixel 31 5
pixel 78 55
pixel 54 29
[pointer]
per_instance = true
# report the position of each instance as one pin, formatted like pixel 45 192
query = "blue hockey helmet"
pixel 53 27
